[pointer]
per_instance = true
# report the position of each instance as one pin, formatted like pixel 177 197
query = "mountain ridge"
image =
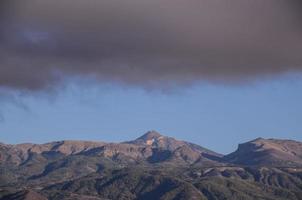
pixel 150 146
pixel 270 151
pixel 151 166
pixel 153 139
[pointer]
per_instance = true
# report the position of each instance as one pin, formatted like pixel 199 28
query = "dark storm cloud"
pixel 145 42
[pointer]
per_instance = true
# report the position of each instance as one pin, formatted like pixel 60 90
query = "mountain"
pixel 268 152
pixel 169 149
pixel 149 148
pixel 152 166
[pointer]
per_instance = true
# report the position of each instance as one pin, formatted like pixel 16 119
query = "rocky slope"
pixel 151 167
pixel 268 152
pixel 25 195
pixel 151 148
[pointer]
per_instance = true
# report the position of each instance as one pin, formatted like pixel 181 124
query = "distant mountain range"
pixel 151 167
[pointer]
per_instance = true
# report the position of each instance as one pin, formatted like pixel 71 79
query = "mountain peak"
pixel 150 138
pixel 150 135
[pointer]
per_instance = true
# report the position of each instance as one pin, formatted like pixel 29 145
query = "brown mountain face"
pixel 18 154
pixel 151 148
pixel 268 152
pixel 152 166
pixel 169 149
pixel 25 195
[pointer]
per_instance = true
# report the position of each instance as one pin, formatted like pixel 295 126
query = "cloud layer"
pixel 143 42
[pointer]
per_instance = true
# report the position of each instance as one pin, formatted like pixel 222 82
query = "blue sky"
pixel 215 116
